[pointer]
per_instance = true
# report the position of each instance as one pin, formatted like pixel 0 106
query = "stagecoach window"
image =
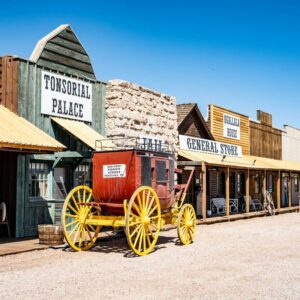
pixel 161 172
pixel 38 179
pixel 146 171
pixel 82 175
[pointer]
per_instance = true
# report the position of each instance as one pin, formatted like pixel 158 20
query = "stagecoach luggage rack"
pixel 134 143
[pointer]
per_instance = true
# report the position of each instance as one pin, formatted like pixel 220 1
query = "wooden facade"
pixel 216 125
pixel 59 52
pixel 265 140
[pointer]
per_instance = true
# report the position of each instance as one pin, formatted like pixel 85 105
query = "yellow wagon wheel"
pixel 80 236
pixel 186 226
pixel 143 220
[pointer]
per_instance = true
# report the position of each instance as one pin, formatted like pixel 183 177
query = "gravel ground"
pixel 249 259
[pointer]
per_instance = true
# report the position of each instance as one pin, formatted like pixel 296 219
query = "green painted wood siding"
pixel 29 102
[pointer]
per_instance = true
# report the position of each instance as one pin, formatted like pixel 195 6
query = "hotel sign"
pixel 231 127
pixel 66 97
pixel 209 146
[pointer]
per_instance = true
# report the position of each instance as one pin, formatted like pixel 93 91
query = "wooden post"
pixel 278 190
pixel 299 190
pixel 290 190
pixel 265 188
pixel 203 169
pixel 227 176
pixel 247 191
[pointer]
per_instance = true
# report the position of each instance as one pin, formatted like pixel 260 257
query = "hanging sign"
pixel 114 171
pixel 151 143
pixel 66 97
pixel 231 127
pixel 209 146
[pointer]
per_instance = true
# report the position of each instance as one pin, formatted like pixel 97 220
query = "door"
pixel 285 191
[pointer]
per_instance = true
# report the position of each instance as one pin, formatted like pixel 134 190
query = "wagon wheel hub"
pixel 146 220
pixel 189 223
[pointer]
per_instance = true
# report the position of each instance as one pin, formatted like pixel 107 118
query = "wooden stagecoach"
pixel 134 189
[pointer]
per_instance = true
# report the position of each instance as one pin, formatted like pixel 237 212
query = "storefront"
pixel 57 91
pixel 232 178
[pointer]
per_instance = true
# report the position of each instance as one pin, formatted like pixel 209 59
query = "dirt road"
pixel 250 259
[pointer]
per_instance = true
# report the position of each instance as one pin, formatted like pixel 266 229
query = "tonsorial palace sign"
pixel 66 97
pixel 209 146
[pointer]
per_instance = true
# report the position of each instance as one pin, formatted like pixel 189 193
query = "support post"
pixel 203 169
pixel 278 190
pixel 227 176
pixel 247 190
pixel 290 190
pixel 299 190
pixel 265 188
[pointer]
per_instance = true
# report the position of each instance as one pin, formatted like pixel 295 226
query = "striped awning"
pixel 16 133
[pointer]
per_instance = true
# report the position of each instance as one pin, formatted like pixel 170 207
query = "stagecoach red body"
pixel 117 174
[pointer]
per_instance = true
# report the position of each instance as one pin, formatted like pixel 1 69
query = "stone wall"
pixel 133 110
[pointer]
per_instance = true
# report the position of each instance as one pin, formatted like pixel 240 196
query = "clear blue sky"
pixel 243 55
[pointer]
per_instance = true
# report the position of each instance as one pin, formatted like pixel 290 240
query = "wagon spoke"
pixel 71 216
pixel 141 238
pixel 140 203
pixel 135 230
pixel 79 196
pixel 150 231
pixel 73 209
pixel 150 204
pixel 137 237
pixel 71 223
pixel 73 230
pixel 89 234
pixel 148 238
pixel 144 200
pixel 135 223
pixel 75 202
pixel 152 210
pixel 76 235
pixel 136 208
pixel 89 198
pixel 144 239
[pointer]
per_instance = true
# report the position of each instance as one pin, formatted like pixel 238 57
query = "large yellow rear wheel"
pixel 186 226
pixel 143 220
pixel 80 236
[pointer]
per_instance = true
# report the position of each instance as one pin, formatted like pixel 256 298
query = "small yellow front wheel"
pixel 186 226
pixel 79 235
pixel 143 220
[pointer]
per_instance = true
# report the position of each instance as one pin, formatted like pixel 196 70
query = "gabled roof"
pixel 183 110
pixel 62 50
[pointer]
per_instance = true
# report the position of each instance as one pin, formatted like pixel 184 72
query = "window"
pixel 296 184
pixel 38 179
pixel 270 183
pixel 82 175
pixel 221 185
pixel 256 184
pixel 161 172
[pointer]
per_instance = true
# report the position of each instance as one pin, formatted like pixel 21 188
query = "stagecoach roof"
pixel 83 132
pixel 16 133
pixel 246 162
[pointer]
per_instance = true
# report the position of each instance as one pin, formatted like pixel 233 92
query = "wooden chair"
pixel 218 206
pixel 3 217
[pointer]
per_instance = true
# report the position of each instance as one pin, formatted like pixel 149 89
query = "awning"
pixel 16 133
pixel 247 161
pixel 84 133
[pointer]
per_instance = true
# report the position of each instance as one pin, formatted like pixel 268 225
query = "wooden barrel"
pixel 51 234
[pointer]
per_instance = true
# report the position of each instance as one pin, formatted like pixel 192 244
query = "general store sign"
pixel 209 146
pixel 66 97
pixel 231 127
pixel 151 143
pixel 114 171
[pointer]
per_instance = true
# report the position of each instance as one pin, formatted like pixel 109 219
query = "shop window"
pixel 161 172
pixel 221 184
pixel 38 179
pixel 82 175
pixel 257 184
pixel 296 185
pixel 270 183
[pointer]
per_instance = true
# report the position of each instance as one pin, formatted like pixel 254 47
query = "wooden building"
pixel 192 123
pixel 265 140
pixel 235 169
pixel 57 91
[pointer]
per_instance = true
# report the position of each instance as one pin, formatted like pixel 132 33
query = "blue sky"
pixel 243 55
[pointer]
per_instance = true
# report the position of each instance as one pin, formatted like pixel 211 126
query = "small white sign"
pixel 209 146
pixel 114 171
pixel 66 97
pixel 231 127
pixel 151 143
